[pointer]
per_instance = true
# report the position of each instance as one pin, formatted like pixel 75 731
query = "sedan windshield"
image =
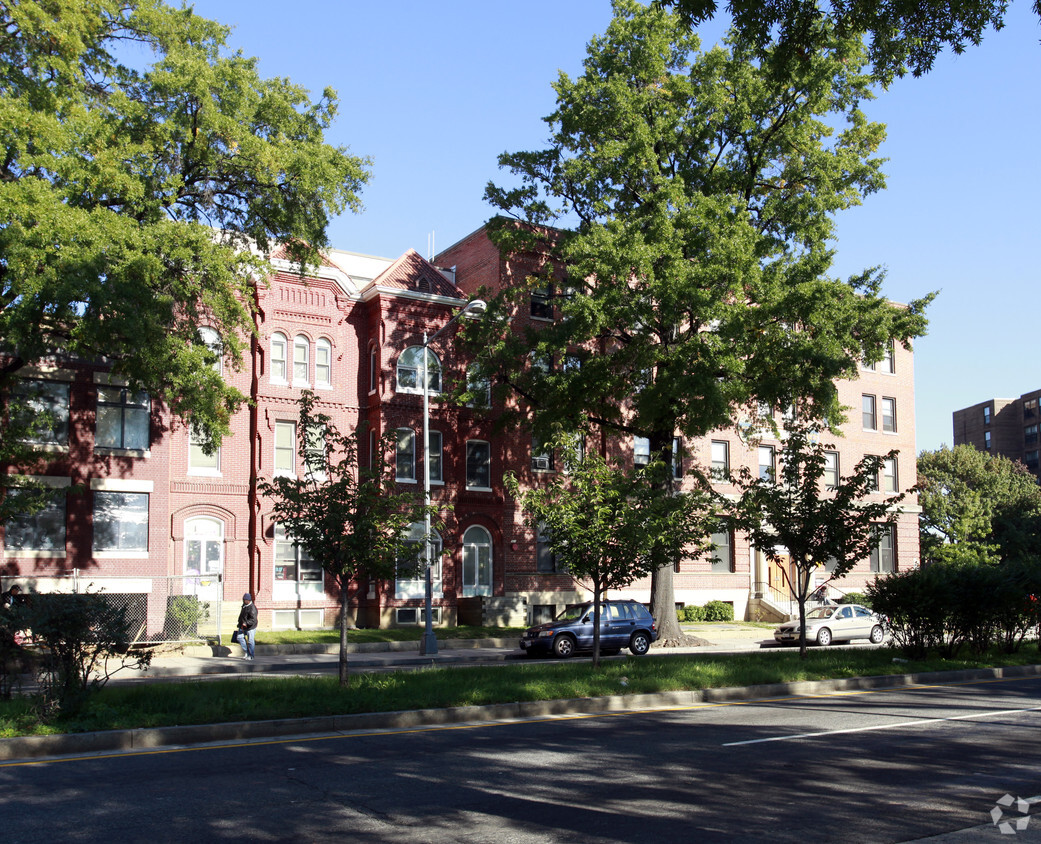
pixel 821 612
pixel 574 613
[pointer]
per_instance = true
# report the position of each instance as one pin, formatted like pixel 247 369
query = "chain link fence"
pixel 179 608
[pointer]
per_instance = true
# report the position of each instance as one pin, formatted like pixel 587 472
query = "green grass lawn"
pixel 198 702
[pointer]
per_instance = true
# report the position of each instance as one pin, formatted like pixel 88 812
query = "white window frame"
pixel 720 457
pixel 211 339
pixel 831 470
pixel 889 419
pixel 124 509
pixel 890 476
pixel 641 451
pixel 284 458
pixel 415 587
pixel 287 552
pixel 409 371
pixel 771 464
pixel 374 369
pixel 323 364
pixel 477 574
pixel 200 463
pixel 405 456
pixel 53 516
pixel 279 358
pixel 301 361
pixel 868 417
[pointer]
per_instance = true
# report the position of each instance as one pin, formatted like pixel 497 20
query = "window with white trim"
pixel 831 470
pixel 203 457
pixel 43 530
pixel 301 360
pixel 410 370
pixel 541 456
pixel 641 451
pixel 883 558
pixel 323 364
pixel 120 521
pixel 477 561
pixel 122 419
pixel 285 448
pixel 889 415
pixel 723 552
pixel 405 455
pixel 211 339
pixel 720 459
pixel 868 417
pixel 279 359
pixel 410 581
pixel 374 369
pixel 478 464
pixel 434 444
pixel 766 463
pixel 296 574
pixel 890 481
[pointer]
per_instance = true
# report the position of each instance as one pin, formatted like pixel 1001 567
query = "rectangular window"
pixel 316 451
pixel 372 450
pixel 43 530
pixel 1029 408
pixel 890 481
pixel 868 413
pixel 545 559
pixel 374 370
pixel 405 455
pixel 1030 435
pixel 723 553
pixel 1030 459
pixel 641 451
pixel 199 461
pixel 872 485
pixel 42 407
pixel 986 440
pixel 883 558
pixel 122 419
pixel 766 463
pixel 434 456
pixel 542 302
pixel 986 415
pixel 831 470
pixel 478 465
pixel 279 358
pixel 720 459
pixel 889 415
pixel 677 459
pixel 296 574
pixel 301 364
pixel 285 448
pixel 889 361
pixel 120 521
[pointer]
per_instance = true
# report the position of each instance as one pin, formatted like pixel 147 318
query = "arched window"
pixel 411 579
pixel 204 556
pixel 477 561
pixel 323 363
pixel 410 370
pixel 279 357
pixel 301 359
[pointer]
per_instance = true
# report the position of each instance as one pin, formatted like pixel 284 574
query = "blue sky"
pixel 433 92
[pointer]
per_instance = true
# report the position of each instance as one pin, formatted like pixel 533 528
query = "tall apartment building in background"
pixel 136 499
pixel 1008 427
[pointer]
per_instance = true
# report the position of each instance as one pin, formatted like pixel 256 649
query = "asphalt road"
pixel 866 766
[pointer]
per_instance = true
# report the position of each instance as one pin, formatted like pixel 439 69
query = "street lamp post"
pixel 428 645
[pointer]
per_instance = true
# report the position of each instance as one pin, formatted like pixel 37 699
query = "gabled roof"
pixel 414 273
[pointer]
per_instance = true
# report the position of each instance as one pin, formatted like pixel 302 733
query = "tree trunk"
pixel 596 626
pixel 344 677
pixel 663 595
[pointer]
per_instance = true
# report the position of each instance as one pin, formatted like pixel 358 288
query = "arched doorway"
pixel 477 562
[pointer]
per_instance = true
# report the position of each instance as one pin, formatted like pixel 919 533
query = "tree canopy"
pixel 147 171
pixel 903 35
pixel 977 507
pixel 693 196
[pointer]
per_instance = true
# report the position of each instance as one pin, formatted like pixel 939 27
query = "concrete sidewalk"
pixel 304 659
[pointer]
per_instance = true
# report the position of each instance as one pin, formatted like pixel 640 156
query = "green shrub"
pixel 712 611
pixel 856 598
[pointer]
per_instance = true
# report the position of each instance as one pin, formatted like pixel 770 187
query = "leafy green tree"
pixel 903 34
pixel 795 518
pixel 607 526
pixel 147 171
pixel 977 507
pixel 351 520
pixel 691 282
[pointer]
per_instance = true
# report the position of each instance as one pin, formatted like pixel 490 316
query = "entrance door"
pixel 204 556
pixel 776 570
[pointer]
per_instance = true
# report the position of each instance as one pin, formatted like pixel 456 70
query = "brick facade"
pixel 341 333
pixel 1009 427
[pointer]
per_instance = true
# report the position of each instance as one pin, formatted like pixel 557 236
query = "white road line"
pixel 884 726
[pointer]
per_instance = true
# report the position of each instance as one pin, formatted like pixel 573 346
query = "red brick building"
pixel 137 498
pixel 1008 427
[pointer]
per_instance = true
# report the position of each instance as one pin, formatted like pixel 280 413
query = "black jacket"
pixel 248 617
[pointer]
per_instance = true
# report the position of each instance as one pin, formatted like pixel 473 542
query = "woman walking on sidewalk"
pixel 247 626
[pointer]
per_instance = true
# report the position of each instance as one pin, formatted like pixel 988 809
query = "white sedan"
pixel 838 623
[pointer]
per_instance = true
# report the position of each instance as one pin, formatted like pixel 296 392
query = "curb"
pixel 26 747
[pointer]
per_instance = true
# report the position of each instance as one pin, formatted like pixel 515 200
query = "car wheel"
pixel 877 634
pixel 824 636
pixel 639 643
pixel 564 646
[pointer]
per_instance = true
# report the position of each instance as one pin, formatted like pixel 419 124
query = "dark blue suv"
pixel 623 624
